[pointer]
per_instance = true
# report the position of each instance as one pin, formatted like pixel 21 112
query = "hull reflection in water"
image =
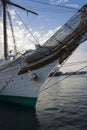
pixel 13 117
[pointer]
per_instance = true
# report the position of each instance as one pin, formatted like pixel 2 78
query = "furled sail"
pixel 70 35
pixel 64 41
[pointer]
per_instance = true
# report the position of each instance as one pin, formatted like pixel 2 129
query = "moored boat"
pixel 22 77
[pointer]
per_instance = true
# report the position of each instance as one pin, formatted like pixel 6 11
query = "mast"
pixel 5 30
pixel 5 2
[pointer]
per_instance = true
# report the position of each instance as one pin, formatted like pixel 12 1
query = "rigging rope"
pixel 15 48
pixel 1 32
pixel 61 79
pixel 55 72
pixel 52 10
pixel 45 3
pixel 11 63
pixel 75 63
pixel 27 27
pixel 15 74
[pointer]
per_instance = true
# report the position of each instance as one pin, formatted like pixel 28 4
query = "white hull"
pixel 23 85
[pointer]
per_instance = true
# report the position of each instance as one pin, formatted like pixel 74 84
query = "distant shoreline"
pixel 54 74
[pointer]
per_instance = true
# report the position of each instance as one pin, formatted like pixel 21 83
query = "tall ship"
pixel 22 77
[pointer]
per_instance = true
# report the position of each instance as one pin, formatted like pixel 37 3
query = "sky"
pixel 51 16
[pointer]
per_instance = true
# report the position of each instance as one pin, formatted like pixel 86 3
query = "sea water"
pixel 62 105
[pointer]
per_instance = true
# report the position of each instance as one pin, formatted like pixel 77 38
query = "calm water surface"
pixel 64 105
pixel 61 107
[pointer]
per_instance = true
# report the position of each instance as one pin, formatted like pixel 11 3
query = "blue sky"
pixel 48 20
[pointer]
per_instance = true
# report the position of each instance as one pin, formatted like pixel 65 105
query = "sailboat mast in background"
pixel 5 30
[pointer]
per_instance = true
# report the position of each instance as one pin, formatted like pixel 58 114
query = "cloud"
pixel 58 1
pixel 18 23
pixel 24 39
pixel 73 5
pixel 12 13
pixel 64 2
pixel 47 35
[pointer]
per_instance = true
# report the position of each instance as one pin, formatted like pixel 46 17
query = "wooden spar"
pixel 16 5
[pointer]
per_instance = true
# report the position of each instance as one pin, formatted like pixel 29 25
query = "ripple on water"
pixel 64 106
